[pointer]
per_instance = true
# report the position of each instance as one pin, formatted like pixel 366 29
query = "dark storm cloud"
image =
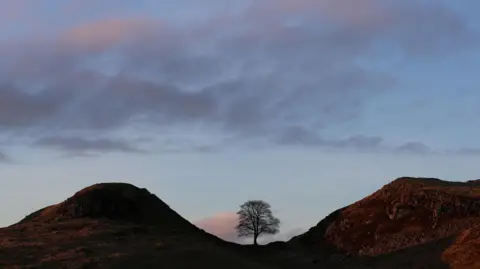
pixel 259 74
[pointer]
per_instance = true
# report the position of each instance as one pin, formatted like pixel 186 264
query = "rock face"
pixel 465 251
pixel 405 213
pixel 114 201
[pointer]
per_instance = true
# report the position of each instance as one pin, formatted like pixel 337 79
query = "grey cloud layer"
pixel 3 157
pixel 79 145
pixel 250 76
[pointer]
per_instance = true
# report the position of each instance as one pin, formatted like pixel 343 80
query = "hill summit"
pixel 113 201
pixel 115 226
pixel 405 213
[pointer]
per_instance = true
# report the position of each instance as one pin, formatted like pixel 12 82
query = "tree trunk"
pixel 255 240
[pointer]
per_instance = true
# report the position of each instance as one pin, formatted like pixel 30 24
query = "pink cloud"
pixel 103 34
pixel 221 225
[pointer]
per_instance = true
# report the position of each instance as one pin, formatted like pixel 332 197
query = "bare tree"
pixel 256 218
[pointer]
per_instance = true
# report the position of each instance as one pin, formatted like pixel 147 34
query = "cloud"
pixel 243 106
pixel 277 72
pixel 105 34
pixel 14 10
pixel 468 151
pixel 20 108
pixel 353 13
pixel 105 102
pixel 394 22
pixel 422 149
pixel 414 147
pixel 80 145
pixel 221 225
pixel 301 136
pixel 3 157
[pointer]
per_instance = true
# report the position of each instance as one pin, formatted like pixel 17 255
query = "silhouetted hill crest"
pixel 113 201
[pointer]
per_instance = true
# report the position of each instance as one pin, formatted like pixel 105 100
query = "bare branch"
pixel 255 219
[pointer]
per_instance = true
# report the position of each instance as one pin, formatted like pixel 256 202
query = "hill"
pixel 113 201
pixel 114 225
pixel 400 221
pixel 408 223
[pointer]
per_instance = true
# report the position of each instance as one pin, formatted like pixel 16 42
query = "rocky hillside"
pixel 118 225
pixel 406 214
pixel 114 201
pixel 409 223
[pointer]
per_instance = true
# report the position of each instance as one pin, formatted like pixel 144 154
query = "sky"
pixel 309 105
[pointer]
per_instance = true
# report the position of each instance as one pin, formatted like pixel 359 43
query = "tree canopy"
pixel 255 219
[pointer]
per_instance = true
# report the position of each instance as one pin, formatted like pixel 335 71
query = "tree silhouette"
pixel 256 218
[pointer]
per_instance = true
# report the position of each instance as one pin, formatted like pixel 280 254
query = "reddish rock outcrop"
pixel 405 213
pixel 465 251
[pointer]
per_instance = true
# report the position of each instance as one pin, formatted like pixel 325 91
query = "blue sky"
pixel 310 105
